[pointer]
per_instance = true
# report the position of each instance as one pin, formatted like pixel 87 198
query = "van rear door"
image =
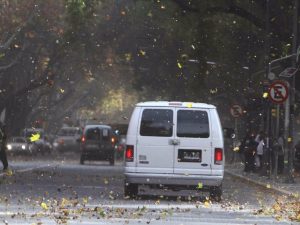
pixel 155 152
pixel 193 151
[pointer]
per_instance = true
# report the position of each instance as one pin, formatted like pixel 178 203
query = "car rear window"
pixel 157 122
pixel 98 134
pixel 192 123
pixel 93 134
pixel 68 132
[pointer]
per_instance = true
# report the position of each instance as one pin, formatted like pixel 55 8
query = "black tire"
pixel 81 160
pixel 215 193
pixel 130 190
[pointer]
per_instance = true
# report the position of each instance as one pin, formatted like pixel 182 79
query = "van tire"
pixel 81 160
pixel 130 190
pixel 215 193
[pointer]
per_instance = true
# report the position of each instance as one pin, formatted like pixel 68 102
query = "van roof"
pixel 176 104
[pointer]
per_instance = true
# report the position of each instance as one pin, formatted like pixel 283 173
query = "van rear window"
pixel 192 123
pixel 157 122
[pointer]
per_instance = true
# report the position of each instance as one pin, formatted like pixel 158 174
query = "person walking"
pixel 3 140
pixel 259 151
pixel 248 146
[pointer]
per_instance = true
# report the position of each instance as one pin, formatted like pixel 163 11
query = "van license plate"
pixel 189 155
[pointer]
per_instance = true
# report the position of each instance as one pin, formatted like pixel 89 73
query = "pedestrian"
pixel 3 140
pixel 248 146
pixel 278 148
pixel 260 139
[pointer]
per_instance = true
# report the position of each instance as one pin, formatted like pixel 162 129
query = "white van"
pixel 174 144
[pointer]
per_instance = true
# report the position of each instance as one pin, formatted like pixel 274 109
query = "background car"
pixel 98 143
pixel 37 140
pixel 67 139
pixel 18 145
pixel 41 146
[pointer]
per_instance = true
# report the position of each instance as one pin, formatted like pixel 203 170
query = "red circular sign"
pixel 236 111
pixel 278 92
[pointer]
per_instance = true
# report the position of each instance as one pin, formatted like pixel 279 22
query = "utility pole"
pixel 267 159
pixel 292 98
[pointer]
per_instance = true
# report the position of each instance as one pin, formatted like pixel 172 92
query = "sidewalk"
pixel 280 184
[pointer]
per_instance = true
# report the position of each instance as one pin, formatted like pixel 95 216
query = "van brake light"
pixel 218 156
pixel 129 153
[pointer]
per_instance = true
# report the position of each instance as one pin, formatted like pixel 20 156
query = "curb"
pixel 264 185
pixel 2 174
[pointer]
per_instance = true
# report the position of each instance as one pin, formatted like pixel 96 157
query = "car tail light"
pixel 61 141
pixel 218 156
pixel 129 153
pixel 113 140
pixel 83 139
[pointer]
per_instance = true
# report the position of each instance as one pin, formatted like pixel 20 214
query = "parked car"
pixel 18 145
pixel 97 143
pixel 177 145
pixel 66 139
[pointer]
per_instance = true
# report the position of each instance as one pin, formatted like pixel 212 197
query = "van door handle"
pixel 174 142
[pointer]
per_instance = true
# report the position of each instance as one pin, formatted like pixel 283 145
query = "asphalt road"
pixel 46 190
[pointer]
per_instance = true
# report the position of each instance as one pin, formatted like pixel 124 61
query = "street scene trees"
pixel 69 63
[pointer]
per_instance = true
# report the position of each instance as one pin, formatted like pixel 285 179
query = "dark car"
pixel 97 143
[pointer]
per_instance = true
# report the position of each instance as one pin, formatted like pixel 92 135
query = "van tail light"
pixel 83 139
pixel 218 156
pixel 129 153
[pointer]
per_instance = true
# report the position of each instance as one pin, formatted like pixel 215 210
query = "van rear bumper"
pixel 173 179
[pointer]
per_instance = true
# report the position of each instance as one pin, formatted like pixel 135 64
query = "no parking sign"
pixel 278 92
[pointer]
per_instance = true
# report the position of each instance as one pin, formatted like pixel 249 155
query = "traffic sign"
pixel 278 92
pixel 236 111
pixel 288 72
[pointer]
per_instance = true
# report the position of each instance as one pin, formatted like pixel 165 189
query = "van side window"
pixel 157 122
pixel 192 123
pixel 93 134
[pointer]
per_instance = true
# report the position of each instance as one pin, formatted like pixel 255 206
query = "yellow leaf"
pixel 44 206
pixel 189 105
pixel 142 52
pixel 9 172
pixel 200 185
pixel 179 65
pixel 62 90
pixel 35 137
pixel 268 186
pixel 207 204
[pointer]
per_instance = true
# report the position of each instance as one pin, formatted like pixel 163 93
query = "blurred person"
pixel 248 146
pixel 278 146
pixel 260 139
pixel 3 139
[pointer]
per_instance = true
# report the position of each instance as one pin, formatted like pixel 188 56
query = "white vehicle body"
pixel 174 143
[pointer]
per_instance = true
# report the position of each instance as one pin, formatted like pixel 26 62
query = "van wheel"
pixel 130 190
pixel 215 193
pixel 81 160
